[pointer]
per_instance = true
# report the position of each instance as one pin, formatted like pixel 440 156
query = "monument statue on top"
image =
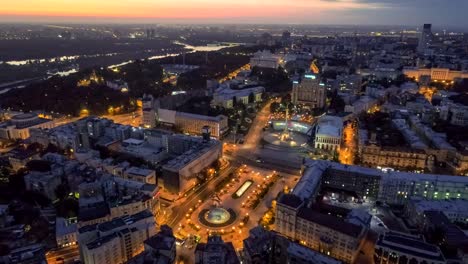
pixel 285 135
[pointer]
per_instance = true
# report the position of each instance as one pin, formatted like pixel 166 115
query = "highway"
pixel 132 119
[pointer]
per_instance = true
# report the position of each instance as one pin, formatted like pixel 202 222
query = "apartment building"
pixel 117 240
pixel 330 231
pixel 394 157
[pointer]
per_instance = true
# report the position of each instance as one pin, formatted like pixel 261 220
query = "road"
pixel 366 254
pixel 247 153
pixel 234 73
pixel 202 193
pixel 132 119
pixel 347 153
pixel 254 136
pixel 68 254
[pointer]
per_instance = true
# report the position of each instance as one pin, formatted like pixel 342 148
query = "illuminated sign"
pixel 322 84
pixel 295 82
pixel 310 76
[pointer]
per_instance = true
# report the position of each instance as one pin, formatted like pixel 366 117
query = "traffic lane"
pixel 201 194
pixel 68 254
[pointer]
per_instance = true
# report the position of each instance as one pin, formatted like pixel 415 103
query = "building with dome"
pixel 18 126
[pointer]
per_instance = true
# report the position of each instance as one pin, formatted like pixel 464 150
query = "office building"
pixel 309 92
pixel 265 59
pixel 425 39
pixel 224 96
pixel 191 156
pixel 435 74
pixel 192 124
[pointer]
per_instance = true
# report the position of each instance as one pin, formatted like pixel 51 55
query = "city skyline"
pixel 365 12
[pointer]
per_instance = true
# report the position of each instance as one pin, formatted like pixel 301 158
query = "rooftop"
pixel 298 251
pixel 410 245
pixel 192 154
pixel 164 240
pixel 330 126
pixel 123 221
pixel 455 205
pixel 226 92
pixel 63 227
pixel 290 200
pixel 21 153
pixel 310 181
pixel 102 240
pixel 318 167
pixel 139 171
pixel 330 221
pixel 217 118
pixel 96 211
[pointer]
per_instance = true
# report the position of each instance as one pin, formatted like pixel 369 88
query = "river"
pixel 22 83
pixel 190 48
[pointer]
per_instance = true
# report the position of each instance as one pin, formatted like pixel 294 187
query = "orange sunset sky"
pixel 270 11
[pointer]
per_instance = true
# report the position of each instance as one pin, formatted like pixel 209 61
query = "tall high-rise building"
pixel 425 39
pixel 309 92
pixel 149 113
